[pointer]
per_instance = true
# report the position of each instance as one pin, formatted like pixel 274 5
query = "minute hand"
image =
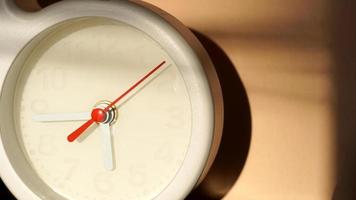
pixel 73 136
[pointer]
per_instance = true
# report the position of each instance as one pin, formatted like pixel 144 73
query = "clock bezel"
pixel 161 27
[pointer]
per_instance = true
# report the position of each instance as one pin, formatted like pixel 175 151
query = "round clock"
pixel 104 100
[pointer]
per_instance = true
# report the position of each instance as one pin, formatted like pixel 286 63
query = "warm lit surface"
pixel 280 49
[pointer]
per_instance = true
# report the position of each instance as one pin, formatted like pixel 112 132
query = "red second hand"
pixel 73 136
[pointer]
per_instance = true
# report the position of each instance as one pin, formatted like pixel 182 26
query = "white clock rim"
pixel 202 135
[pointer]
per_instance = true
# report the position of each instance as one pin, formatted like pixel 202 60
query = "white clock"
pixel 104 100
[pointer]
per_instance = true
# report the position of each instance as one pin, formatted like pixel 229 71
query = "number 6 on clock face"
pixel 120 88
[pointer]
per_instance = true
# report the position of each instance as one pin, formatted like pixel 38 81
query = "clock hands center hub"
pixel 106 117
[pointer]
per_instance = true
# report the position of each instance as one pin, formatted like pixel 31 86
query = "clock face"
pixel 135 150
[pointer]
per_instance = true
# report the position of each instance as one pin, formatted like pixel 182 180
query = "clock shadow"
pixel 236 138
pixel 5 193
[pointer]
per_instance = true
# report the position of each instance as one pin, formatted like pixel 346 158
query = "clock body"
pixel 75 55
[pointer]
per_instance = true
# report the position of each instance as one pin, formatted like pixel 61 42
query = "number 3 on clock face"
pixel 104 100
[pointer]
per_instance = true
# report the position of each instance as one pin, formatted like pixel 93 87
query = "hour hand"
pixel 107 146
pixel 62 117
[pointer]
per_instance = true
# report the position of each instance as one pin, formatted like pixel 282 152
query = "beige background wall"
pixel 280 49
